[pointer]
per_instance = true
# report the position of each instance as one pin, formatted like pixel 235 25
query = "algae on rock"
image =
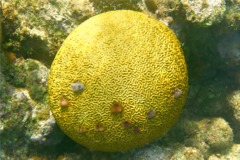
pixel 234 102
pixel 25 116
pixel 204 12
pixel 36 29
pixel 232 16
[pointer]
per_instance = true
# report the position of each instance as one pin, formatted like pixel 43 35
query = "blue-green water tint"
pixel 36 30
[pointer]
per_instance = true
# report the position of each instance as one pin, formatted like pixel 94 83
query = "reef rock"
pixel 204 12
pixel 24 112
pixel 234 102
pixel 36 29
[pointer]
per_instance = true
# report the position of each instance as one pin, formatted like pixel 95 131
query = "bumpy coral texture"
pixel 134 76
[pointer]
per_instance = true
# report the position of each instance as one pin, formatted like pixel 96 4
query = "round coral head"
pixel 131 66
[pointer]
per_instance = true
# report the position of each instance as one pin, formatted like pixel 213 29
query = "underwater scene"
pixel 120 80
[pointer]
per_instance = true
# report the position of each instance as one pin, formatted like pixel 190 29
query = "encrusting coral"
pixel 131 67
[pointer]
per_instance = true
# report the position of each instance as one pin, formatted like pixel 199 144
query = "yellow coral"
pixel 124 77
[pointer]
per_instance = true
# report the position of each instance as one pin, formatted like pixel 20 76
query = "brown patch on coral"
pixel 127 124
pixel 83 129
pixel 136 130
pixel 151 114
pixel 99 127
pixel 116 107
pixel 63 102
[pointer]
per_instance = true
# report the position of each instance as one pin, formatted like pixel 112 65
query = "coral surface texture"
pixel 118 81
